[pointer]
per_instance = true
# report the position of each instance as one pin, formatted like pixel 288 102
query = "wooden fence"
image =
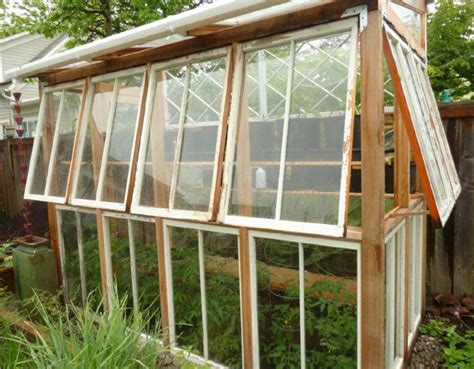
pixel 450 251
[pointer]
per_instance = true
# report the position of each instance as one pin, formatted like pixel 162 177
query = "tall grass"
pixel 85 338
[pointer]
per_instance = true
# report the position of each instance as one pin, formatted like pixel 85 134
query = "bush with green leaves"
pixel 458 352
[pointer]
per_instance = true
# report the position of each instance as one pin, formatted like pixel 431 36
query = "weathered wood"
pixel 320 13
pixel 373 188
pixel 102 258
pixel 402 160
pixel 246 296
pixel 416 5
pixel 164 304
pixel 458 109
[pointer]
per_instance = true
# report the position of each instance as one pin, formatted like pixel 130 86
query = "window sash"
pixel 346 25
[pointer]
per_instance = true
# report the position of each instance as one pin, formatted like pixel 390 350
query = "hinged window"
pixel 428 140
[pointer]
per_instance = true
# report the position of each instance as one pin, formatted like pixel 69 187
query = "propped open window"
pixel 292 119
pixel 107 140
pixel 177 165
pixel 49 173
pixel 438 175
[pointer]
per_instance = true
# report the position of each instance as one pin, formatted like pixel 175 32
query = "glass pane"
pixel 161 140
pixel 312 178
pixel 221 260
pixel 88 176
pixel 120 254
pixel 186 289
pixel 411 20
pixel 148 288
pixel 121 138
pixel 71 257
pixel 278 304
pixel 330 307
pixel 51 101
pixel 203 109
pixel 67 128
pixel 259 137
pixel 91 257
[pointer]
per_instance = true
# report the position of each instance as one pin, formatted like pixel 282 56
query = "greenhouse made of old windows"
pixel 231 168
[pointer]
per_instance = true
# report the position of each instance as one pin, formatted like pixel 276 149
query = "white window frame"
pixel 300 240
pixel 54 147
pixel 97 202
pixel 62 249
pixel 199 227
pixel 106 216
pixel 169 212
pixel 427 126
pixel 345 25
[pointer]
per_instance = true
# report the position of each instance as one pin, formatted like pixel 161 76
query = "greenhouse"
pixel 227 168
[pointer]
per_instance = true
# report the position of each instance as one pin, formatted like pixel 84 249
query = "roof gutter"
pixel 179 23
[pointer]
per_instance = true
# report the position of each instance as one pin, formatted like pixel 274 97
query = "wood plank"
pixel 205 30
pixel 417 5
pixel 320 13
pixel 102 257
pixel 458 109
pixel 407 119
pixel 373 188
pixel 222 140
pixel 116 54
pixel 402 160
pixel 164 305
pixel 246 296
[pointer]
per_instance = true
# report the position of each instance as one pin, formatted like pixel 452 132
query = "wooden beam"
pixel 458 109
pixel 418 6
pixel 246 296
pixel 205 30
pixel 116 54
pixel 102 257
pixel 320 13
pixel 373 189
pixel 402 160
pixel 164 304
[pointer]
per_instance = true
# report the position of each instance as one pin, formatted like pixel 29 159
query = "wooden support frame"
pixel 373 188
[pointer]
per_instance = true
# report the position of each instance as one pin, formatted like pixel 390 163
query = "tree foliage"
pixel 451 47
pixel 86 21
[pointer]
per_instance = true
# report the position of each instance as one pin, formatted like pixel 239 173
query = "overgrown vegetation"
pixel 458 352
pixel 78 338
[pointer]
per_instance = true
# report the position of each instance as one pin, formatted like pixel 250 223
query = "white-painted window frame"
pixel 345 25
pixel 199 227
pixel 427 124
pixel 299 240
pixel 170 212
pixel 97 202
pixel 54 147
pixel 62 249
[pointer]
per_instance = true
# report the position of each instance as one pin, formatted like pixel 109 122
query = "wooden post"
pixel 373 189
pixel 164 305
pixel 245 287
pixel 103 258
pixel 402 160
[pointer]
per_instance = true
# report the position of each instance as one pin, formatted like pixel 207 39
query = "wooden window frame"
pixel 169 212
pixel 300 240
pixel 421 136
pixel 39 140
pixel 344 25
pixel 97 202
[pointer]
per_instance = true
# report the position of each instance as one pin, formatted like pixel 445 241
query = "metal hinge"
pixel 361 11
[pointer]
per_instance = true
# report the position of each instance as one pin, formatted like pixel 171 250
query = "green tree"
pixel 451 47
pixel 86 21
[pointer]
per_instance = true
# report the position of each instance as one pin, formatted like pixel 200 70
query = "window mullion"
pixel 54 149
pixel 110 123
pixel 179 139
pixel 133 264
pixel 82 269
pixel 284 140
pixel 202 278
pixel 62 253
pixel 302 306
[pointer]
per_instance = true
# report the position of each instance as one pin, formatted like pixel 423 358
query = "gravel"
pixel 427 354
